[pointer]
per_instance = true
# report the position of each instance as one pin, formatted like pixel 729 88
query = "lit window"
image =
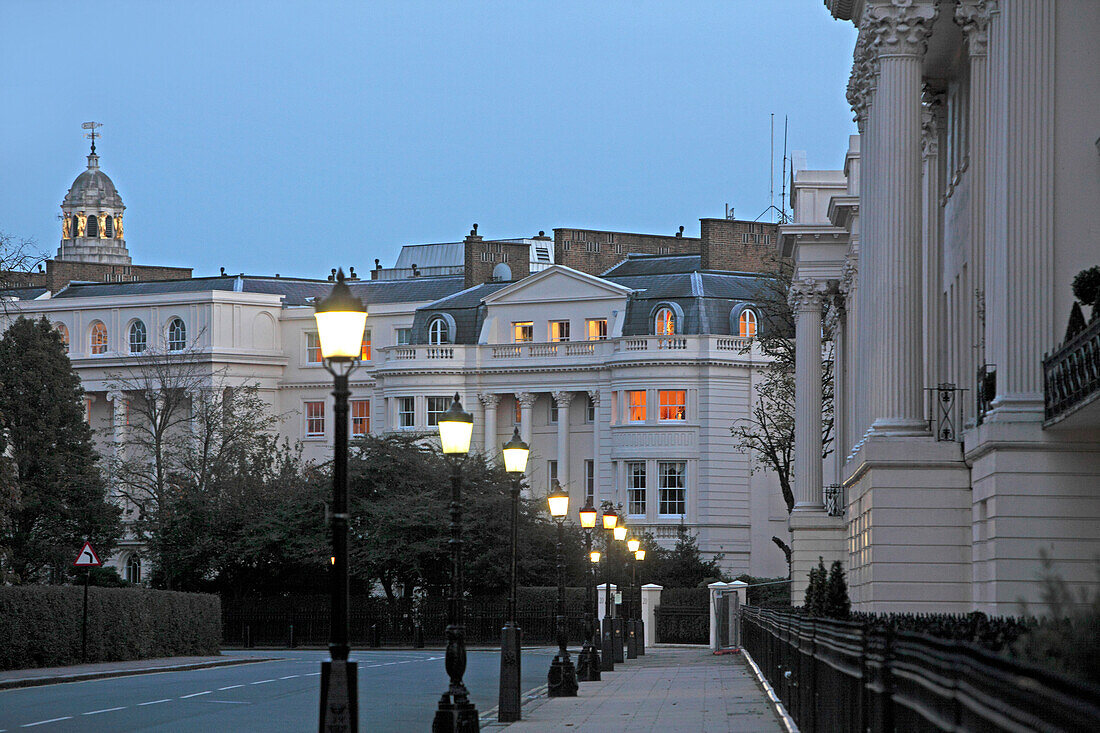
pixel 315 418
pixel 636 490
pixel 518 418
pixel 437 332
pixel 98 341
pixel 597 329
pixel 139 337
pixel 177 335
pixel 671 491
pixel 403 336
pixel 559 330
pixel 747 323
pixel 313 348
pixel 524 332
pixel 63 332
pixel 635 402
pixel 590 482
pixel 406 412
pixel 551 474
pixel 664 324
pixel 673 402
pixel 360 418
pixel 364 353
pixel 436 407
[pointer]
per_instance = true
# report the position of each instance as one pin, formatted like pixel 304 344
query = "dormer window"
pixel 664 323
pixel 747 323
pixel 437 332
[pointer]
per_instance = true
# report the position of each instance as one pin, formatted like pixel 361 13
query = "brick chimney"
pixel 480 259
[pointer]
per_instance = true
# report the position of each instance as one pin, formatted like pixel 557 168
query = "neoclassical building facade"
pixel 940 259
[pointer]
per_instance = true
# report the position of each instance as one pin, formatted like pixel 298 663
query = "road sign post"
pixel 87 559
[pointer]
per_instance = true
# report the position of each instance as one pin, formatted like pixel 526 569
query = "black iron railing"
pixel 682 624
pixel 1071 373
pixel 849 676
pixel 836 500
pixel 945 411
pixel 986 392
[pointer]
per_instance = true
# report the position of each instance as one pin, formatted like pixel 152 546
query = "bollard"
pixel 375 636
pixel 418 637
pixel 247 636
pixel 290 637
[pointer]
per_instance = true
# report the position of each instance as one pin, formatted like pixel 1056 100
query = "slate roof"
pixel 465 307
pixel 654 265
pixel 23 293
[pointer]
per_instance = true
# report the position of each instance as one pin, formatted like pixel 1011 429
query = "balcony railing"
pixel 1071 373
pixel 836 500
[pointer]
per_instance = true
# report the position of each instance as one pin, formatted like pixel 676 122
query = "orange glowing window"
pixel 63 332
pixel 360 417
pixel 747 323
pixel 98 340
pixel 635 405
pixel 365 353
pixel 313 348
pixel 664 324
pixel 673 404
pixel 315 418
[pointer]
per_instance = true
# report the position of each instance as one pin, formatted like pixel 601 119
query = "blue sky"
pixel 294 137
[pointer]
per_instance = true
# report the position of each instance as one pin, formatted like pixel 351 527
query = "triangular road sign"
pixel 87 557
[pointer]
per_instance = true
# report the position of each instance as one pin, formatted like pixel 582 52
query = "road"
pixel 398 691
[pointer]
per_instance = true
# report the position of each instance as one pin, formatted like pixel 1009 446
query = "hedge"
pixel 40 625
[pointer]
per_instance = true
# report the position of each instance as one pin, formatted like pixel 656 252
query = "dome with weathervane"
pixel 93 188
pixel 91 219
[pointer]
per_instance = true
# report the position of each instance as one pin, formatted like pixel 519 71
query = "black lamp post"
pixel 455 711
pixel 619 626
pixel 341 319
pixel 588 661
pixel 562 679
pixel 508 704
pixel 632 546
pixel 607 657
pixel 639 623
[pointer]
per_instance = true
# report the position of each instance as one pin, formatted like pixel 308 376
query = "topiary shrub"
pixel 837 604
pixel 815 591
pixel 1086 286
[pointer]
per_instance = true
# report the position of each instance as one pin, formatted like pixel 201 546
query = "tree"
pixel 816 590
pixel 837 604
pixel 768 432
pixel 17 258
pixel 55 492
pixel 683 566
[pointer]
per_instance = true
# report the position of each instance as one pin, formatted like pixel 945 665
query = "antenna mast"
pixel 771 169
pixel 783 189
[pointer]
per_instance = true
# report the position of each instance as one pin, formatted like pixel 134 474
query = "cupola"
pixel 91 216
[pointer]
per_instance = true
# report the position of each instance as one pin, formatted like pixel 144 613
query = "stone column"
pixel 490 403
pixel 838 318
pixel 934 322
pixel 594 395
pixel 563 399
pixel 526 403
pixel 806 298
pixel 900 29
pixel 849 287
pixel 118 419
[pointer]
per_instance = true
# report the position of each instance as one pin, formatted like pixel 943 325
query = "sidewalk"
pixel 670 688
pixel 54 675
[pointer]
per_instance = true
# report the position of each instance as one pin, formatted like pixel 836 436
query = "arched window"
pixel 177 335
pixel 76 227
pixel 664 322
pixel 98 339
pixel 109 227
pixel 747 323
pixel 139 337
pixel 133 569
pixel 63 332
pixel 437 332
pixel 93 225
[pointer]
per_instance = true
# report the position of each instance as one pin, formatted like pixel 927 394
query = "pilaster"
pixel 563 398
pixel 597 437
pixel 807 298
pixel 526 403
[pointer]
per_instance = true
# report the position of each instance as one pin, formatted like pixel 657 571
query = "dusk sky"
pixel 294 137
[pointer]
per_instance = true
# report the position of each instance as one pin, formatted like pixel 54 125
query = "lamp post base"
pixel 588 663
pixel 508 703
pixel 339 696
pixel 562 680
pixel 617 645
pixel 630 631
pixel 456 714
pixel 639 629
pixel 607 646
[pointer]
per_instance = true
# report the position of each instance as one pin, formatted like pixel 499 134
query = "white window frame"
pixel 645 406
pixel 661 406
pixel 444 401
pixel 306 338
pixel 595 324
pixel 352 418
pixel 558 325
pixel 176 344
pixel 630 488
pixel 528 325
pixel 411 412
pixel 438 329
pixel 306 419
pixel 661 488
pixel 144 343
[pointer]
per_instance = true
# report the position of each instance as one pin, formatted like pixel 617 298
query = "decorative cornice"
pixel 974 16
pixel 899 27
pixel 807 295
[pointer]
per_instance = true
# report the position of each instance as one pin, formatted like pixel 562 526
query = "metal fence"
pixel 847 676
pixel 682 624
pixel 376 622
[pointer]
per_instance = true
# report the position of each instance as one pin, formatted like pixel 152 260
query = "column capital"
pixel 899 27
pixel 526 399
pixel 807 295
pixel 117 396
pixel 861 80
pixel 489 400
pixel 562 397
pixel 594 395
pixel 974 16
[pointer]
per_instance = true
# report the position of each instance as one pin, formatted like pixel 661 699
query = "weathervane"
pixel 93 134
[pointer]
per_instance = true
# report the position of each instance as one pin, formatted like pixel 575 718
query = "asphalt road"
pixel 398 691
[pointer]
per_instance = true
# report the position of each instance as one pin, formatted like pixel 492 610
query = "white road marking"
pixel 231 687
pixel 313 674
pixel 195 694
pixel 290 676
pixel 105 710
pixel 43 722
pixel 261 682
pixel 155 702
pixel 229 702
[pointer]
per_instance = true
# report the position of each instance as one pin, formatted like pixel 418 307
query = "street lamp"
pixel 562 679
pixel 639 623
pixel 455 711
pixel 588 661
pixel 610 520
pixel 341 319
pixel 508 703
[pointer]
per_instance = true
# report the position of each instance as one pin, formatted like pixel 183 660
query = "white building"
pixel 625 385
pixel 943 253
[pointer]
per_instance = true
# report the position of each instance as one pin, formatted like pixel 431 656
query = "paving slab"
pixel 668 689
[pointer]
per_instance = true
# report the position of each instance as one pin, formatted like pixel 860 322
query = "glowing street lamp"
pixel 562 679
pixel 508 708
pixel 588 661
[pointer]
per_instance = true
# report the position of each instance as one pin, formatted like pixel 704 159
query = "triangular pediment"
pixel 555 284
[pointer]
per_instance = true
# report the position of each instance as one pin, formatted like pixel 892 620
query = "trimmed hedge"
pixel 40 625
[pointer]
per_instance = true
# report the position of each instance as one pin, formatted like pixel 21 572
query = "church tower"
pixel 91 223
